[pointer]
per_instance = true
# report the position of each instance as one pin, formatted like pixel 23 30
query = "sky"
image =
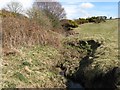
pixel 88 9
pixel 79 8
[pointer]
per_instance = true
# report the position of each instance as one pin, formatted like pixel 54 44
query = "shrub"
pixel 22 31
pixel 81 21
pixel 68 24
pixel 55 22
pixel 54 12
pixel 45 19
pixel 97 19
pixel 73 24
pixel 50 7
pixel 39 16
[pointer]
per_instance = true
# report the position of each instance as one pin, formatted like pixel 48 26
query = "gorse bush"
pixel 73 24
pixel 4 13
pixel 94 19
pixel 97 19
pixel 81 21
pixel 68 24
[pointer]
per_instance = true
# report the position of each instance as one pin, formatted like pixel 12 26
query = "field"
pixel 105 56
pixel 106 32
pixel 36 66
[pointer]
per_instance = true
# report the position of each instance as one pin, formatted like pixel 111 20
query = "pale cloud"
pixel 26 3
pixel 86 5
pixel 84 13
pixel 74 11
pixel 70 10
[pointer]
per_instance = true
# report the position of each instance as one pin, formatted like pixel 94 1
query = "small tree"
pixel 15 7
pixel 54 8
pixel 39 16
pixel 33 12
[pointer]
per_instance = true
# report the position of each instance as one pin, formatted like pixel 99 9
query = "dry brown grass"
pixel 25 39
pixel 20 31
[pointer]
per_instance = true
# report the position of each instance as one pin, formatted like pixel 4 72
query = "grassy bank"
pixel 32 67
pixel 36 66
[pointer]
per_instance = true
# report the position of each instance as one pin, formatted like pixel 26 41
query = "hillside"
pixel 19 30
pixel 99 55
pixel 29 52
pixel 34 57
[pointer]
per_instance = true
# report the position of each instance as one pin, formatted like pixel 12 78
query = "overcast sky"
pixel 78 8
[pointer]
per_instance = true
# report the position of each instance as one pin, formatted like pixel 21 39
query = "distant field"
pixel 108 29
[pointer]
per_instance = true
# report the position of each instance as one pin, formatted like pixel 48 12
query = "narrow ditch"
pixel 78 79
pixel 91 46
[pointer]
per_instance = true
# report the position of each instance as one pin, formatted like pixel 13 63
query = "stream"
pixel 81 79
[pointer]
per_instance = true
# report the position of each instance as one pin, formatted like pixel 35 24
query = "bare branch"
pixel 54 8
pixel 15 7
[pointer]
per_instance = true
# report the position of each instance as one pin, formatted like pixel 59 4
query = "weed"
pixel 21 77
pixel 25 63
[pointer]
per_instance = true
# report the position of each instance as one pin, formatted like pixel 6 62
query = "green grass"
pixel 108 29
pixel 105 33
pixel 36 66
pixel 40 62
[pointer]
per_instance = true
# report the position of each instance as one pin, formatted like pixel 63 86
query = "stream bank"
pixel 86 68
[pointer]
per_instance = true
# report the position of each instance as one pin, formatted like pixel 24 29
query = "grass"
pixel 36 66
pixel 108 31
pixel 105 33
pixel 35 69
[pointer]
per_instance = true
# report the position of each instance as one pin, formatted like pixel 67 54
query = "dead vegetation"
pixel 27 61
pixel 24 32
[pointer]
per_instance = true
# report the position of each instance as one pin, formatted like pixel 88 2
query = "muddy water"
pixel 71 85
pixel 74 85
pixel 109 79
